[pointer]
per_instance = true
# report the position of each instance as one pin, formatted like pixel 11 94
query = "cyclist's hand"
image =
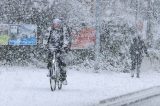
pixel 66 49
pixel 46 46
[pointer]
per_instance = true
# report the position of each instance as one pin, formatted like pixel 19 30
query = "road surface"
pixel 29 86
pixel 155 101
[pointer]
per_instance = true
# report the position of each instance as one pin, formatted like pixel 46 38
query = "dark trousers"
pixel 136 64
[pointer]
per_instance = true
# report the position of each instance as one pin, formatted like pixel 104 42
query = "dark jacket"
pixel 137 48
pixel 59 38
pixel 56 38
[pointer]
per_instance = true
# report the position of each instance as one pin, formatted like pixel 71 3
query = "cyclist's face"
pixel 56 25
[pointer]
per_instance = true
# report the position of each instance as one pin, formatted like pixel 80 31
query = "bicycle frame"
pixel 55 68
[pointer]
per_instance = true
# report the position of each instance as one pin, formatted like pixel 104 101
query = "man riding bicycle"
pixel 58 39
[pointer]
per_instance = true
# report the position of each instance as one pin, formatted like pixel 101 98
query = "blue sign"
pixel 23 34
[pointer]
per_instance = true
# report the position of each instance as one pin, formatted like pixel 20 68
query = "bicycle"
pixel 54 71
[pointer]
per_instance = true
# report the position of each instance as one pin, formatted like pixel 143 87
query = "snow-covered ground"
pixel 29 86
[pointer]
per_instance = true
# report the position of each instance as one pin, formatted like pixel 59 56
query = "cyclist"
pixel 59 39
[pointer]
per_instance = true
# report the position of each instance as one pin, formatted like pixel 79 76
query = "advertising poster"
pixel 24 34
pixel 84 39
pixel 4 37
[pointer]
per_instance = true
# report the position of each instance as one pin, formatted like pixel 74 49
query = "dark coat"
pixel 56 38
pixel 137 49
pixel 59 38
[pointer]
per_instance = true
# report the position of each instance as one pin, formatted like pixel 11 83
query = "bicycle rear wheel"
pixel 59 85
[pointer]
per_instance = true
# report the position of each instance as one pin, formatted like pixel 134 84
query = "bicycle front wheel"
pixel 53 84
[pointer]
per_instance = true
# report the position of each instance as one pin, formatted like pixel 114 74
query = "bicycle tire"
pixel 53 84
pixel 59 85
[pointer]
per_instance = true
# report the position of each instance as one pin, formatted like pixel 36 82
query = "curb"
pixel 131 98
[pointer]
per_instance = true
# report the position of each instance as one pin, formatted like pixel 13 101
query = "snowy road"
pixel 30 87
pixel 26 87
pixel 22 88
pixel 149 102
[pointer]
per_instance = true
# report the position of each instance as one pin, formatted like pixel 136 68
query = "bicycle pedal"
pixel 48 75
pixel 53 77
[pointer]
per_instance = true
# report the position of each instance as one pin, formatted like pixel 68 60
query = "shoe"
pixel 138 76
pixel 64 82
pixel 132 75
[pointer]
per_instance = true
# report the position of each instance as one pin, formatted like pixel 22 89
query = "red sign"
pixel 84 39
pixel 139 25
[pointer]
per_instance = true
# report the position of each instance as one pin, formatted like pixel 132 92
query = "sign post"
pixel 97 47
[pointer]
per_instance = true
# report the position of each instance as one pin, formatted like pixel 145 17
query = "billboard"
pixel 4 34
pixel 18 34
pixel 84 39
pixel 24 34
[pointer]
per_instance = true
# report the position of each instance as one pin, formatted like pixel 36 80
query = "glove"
pixel 46 47
pixel 66 49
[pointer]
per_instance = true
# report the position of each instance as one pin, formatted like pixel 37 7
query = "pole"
pixel 149 35
pixel 136 16
pixel 97 46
